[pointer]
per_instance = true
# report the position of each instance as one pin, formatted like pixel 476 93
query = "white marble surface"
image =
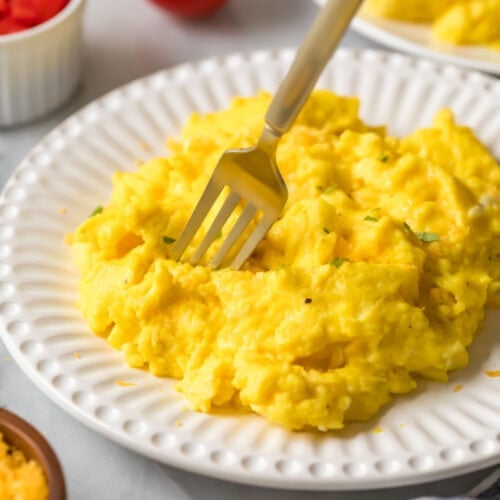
pixel 124 40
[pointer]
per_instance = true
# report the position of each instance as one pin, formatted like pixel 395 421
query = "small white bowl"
pixel 40 67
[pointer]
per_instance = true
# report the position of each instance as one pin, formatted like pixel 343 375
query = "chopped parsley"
pixel 383 157
pixel 97 210
pixel 371 218
pixel 427 237
pixel 338 261
pixel 326 230
pixel 168 240
pixel 218 235
pixel 328 189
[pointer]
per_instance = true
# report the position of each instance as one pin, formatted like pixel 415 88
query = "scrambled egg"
pixel 460 22
pixel 20 479
pixel 377 272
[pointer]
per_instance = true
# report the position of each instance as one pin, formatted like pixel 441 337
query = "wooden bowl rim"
pixel 31 442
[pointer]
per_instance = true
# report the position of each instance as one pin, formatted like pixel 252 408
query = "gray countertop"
pixel 124 40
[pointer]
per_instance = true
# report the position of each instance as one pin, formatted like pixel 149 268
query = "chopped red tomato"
pixel 23 12
pixel 19 15
pixel 46 9
pixel 9 25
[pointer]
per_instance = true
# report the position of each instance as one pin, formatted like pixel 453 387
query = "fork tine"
pixel 207 199
pixel 236 231
pixel 252 241
pixel 225 211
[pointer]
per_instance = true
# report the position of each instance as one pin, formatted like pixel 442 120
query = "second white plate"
pixel 416 39
pixel 432 433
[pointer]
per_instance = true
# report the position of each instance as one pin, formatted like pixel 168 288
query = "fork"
pixel 251 174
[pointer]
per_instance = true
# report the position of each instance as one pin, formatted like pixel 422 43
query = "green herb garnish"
pixel 168 240
pixel 369 217
pixel 427 237
pixel 338 261
pixel 383 157
pixel 97 210
pixel 329 189
pixel 326 230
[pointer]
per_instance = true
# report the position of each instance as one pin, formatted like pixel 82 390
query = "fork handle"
pixel 317 48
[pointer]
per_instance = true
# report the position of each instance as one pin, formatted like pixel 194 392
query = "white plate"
pixel 416 38
pixel 430 434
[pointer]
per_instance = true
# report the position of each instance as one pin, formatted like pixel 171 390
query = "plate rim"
pixel 245 477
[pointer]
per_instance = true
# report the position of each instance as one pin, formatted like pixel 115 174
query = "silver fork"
pixel 252 174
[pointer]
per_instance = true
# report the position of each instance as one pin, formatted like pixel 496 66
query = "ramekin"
pixel 40 67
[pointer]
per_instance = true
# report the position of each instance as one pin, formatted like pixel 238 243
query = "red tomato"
pixel 45 9
pixel 9 25
pixel 23 12
pixel 190 8
pixel 19 15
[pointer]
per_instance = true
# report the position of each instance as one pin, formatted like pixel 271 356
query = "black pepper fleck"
pixel 308 300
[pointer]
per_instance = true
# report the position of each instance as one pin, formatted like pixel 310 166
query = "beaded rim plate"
pixel 435 432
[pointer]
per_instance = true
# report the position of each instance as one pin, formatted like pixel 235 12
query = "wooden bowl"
pixel 26 438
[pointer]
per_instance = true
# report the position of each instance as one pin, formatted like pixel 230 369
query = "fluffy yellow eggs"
pixel 467 22
pixel 377 272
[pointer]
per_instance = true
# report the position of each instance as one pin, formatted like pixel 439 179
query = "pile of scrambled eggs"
pixel 377 272
pixel 467 22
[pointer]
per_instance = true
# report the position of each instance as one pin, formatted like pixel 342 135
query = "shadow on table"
pixel 194 487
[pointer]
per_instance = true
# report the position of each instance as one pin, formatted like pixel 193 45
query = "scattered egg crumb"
pixel 178 423
pixel 458 388
pixel 138 162
pixel 123 383
pixel 68 238
pixel 493 373
pixel 77 355
pixel 378 430
pixel 63 211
